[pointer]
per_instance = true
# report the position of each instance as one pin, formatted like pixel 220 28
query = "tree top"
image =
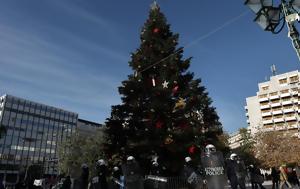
pixel 154 5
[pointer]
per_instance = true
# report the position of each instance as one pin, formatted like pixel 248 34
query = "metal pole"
pixel 293 33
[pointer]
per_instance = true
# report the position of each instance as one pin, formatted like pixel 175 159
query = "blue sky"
pixel 74 54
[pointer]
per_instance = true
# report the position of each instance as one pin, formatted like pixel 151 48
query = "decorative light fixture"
pixel 269 17
pixel 257 5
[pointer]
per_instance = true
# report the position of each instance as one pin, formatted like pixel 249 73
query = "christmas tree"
pixel 164 111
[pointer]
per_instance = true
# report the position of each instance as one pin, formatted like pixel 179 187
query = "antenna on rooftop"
pixel 273 70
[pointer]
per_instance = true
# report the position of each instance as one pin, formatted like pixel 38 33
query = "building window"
pixel 291 123
pixel 269 125
pixel 279 124
pixel 273 94
pixel 276 109
pixel 288 107
pixel 294 79
pixel 267 118
pixel 265 88
pixel 284 91
pixel 286 99
pixel 289 115
pixel 263 96
pixel 295 89
pixel 282 81
pixel 278 116
pixel 265 111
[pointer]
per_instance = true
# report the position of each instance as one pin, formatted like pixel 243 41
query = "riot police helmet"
pixel 233 156
pixel 210 148
pixel 101 162
pixel 84 166
pixel 116 168
pixel 130 158
pixel 187 159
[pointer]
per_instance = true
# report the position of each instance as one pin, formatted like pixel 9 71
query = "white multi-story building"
pixel 276 104
pixel 235 140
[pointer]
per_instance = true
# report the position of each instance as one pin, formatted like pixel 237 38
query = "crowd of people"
pixel 214 172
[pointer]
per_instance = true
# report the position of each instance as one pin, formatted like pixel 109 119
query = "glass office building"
pixel 33 132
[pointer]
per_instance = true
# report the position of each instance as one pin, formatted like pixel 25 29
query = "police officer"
pixel 132 174
pixel 214 168
pixel 102 173
pixel 82 181
pixel 117 178
pixel 190 174
pixel 236 172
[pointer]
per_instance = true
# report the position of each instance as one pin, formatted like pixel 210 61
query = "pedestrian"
pixel 283 177
pixel 132 174
pixel 256 178
pixel 294 178
pixel 275 174
pixel 214 168
pixel 236 172
pixel 67 183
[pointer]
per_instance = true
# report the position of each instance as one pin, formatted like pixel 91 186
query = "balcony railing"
pixel 293 118
pixel 265 106
pixel 263 99
pixel 267 121
pixel 277 120
pixel 288 110
pixel 274 97
pixel 285 95
pixel 266 114
pixel 276 104
pixel 276 112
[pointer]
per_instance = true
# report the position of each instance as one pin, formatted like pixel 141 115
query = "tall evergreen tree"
pixel 164 110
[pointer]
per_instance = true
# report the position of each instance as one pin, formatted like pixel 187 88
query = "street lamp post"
pixel 269 17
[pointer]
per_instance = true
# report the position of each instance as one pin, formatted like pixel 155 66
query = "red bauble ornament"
pixel 159 124
pixel 192 149
pixel 183 125
pixel 156 30
pixel 175 89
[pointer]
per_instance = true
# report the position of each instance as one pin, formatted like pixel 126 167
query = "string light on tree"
pixel 153 81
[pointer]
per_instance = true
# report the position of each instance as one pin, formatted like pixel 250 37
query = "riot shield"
pixel 214 170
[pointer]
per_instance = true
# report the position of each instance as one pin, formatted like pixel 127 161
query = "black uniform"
pixel 191 176
pixel 236 172
pixel 132 175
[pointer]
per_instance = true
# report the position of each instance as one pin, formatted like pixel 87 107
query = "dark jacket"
pixel 67 183
pixel 132 175
pixel 275 174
